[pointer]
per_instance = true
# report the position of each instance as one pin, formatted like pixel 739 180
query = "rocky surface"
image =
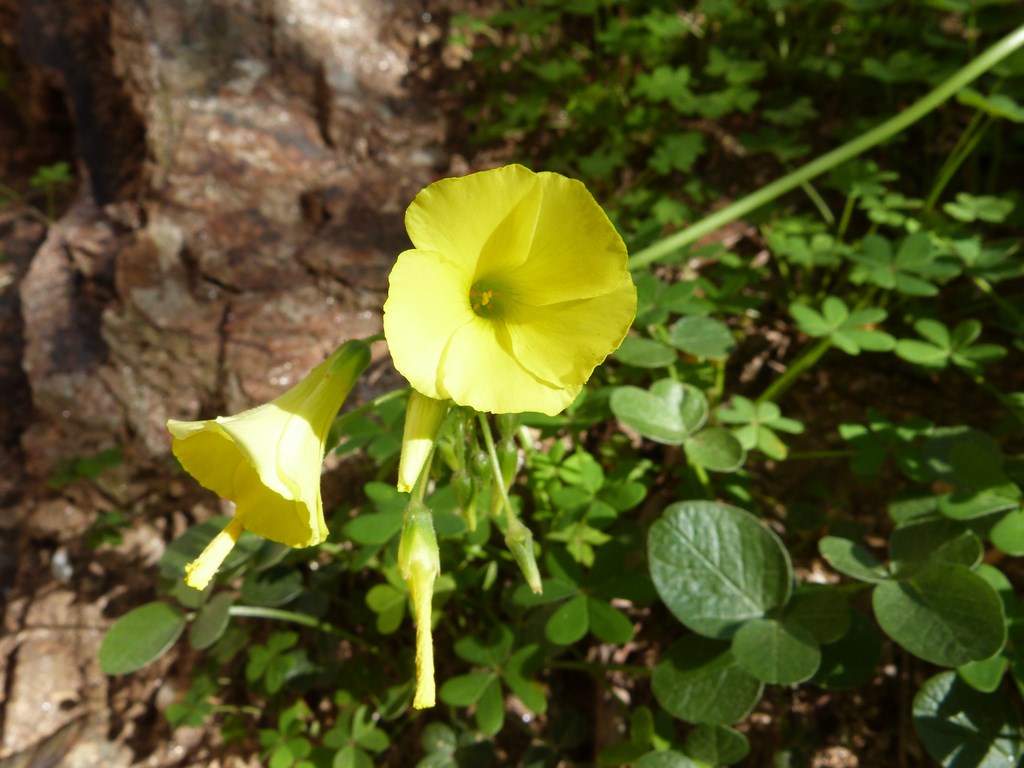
pixel 241 170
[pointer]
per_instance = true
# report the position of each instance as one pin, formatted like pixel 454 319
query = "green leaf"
pixel 925 541
pixel 669 413
pixel 645 353
pixel 141 636
pixel 969 505
pixel 964 728
pixel 716 566
pixel 851 661
pixel 465 690
pixel 945 614
pixel 717 449
pixel 273 587
pixel 676 152
pixel 985 675
pixel 350 756
pixel 852 559
pixel 1008 533
pixel 608 624
pixel 490 708
pixel 518 672
pixel 698 680
pixel 997 105
pixel 703 337
pixel 569 623
pixel 211 621
pixel 776 652
pixel 389 605
pixel 717 744
pixel 968 207
pixel 821 609
pixel 374 528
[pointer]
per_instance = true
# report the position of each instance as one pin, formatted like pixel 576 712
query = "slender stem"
pixel 305 620
pixel 894 125
pixel 1008 307
pixel 969 139
pixel 844 220
pixel 802 364
pixel 499 479
pixel 420 490
pixel 702 477
pixel 819 203
pixel 377 402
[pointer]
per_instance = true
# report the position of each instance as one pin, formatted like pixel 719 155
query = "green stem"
pixel 372 405
pixel 985 287
pixel 819 203
pixel 801 365
pixel 702 477
pixel 844 220
pixel 972 134
pixel 305 620
pixel 894 125
pixel 499 480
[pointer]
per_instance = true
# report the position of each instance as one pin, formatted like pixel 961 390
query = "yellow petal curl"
pixel 267 460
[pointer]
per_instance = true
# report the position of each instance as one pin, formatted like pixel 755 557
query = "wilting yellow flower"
pixel 268 459
pixel 517 288
pixel 420 564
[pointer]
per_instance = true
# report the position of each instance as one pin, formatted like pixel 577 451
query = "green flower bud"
pixel 419 561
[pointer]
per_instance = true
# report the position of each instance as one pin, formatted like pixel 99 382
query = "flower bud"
pixel 420 564
pixel 423 417
pixel 519 541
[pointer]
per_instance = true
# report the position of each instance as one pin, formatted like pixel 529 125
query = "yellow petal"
pixel 480 370
pixel 590 328
pixel 458 216
pixel 200 571
pixel 575 253
pixel 428 300
pixel 423 417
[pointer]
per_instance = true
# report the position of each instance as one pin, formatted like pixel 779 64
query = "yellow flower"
pixel 267 460
pixel 517 288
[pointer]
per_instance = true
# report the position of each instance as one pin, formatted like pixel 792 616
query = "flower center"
pixel 486 300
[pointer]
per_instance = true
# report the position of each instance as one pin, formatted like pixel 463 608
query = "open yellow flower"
pixel 268 460
pixel 517 288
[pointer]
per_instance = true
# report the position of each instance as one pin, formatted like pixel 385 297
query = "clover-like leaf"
pixel 759 422
pixel 964 728
pixel 699 680
pixel 703 337
pixel 717 566
pixel 670 412
pixel 944 614
pixel 645 353
pixel 851 332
